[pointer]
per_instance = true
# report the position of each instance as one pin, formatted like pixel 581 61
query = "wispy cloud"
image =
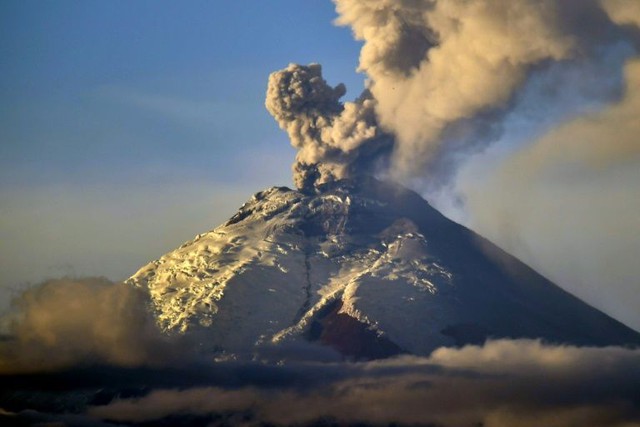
pixel 179 108
pixel 107 229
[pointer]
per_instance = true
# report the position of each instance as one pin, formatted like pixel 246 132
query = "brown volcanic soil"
pixel 349 336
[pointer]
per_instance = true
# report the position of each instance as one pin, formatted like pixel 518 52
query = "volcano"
pixel 366 268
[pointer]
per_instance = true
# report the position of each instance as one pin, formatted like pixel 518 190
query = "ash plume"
pixel 438 72
pixel 435 65
pixel 334 140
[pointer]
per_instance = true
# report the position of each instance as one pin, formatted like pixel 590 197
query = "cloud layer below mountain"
pixel 503 383
pixel 91 337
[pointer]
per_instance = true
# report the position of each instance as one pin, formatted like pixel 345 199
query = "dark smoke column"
pixel 334 140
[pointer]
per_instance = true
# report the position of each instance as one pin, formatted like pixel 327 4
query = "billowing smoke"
pixel 434 67
pixel 440 74
pixel 438 71
pixel 567 201
pixel 334 140
pixel 435 63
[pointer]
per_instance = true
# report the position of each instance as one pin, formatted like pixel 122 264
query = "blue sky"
pixel 128 127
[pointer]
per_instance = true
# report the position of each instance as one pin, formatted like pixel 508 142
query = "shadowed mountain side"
pixel 514 299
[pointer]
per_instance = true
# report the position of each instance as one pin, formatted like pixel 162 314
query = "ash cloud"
pixel 445 74
pixel 442 76
pixel 566 201
pixel 335 140
pixel 622 11
pixel 467 57
pixel 66 323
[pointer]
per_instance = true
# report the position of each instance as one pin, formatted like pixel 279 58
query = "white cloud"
pixel 67 323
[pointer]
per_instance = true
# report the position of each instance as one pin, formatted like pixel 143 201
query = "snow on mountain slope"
pixel 410 278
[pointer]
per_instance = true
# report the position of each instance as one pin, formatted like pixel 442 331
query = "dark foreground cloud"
pixel 87 352
pixel 504 383
pixel 69 322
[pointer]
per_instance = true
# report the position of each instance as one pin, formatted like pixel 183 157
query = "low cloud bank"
pixel 503 383
pixel 67 323
pixel 64 328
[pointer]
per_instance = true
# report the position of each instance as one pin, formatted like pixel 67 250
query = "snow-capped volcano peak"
pixel 369 261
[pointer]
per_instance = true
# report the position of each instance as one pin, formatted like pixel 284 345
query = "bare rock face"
pixel 368 268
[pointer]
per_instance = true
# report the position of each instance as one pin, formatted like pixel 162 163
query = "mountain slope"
pixel 366 267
